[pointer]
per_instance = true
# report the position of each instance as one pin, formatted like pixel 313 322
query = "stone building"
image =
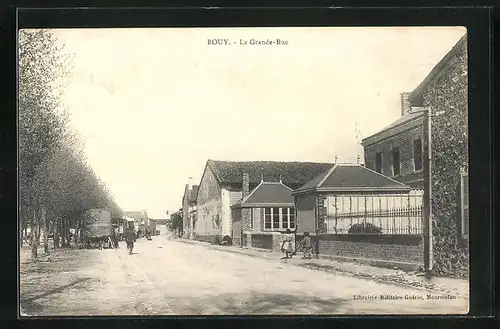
pixel 444 92
pixel 397 150
pixel 221 186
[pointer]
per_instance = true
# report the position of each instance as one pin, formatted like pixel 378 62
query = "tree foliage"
pixel 175 224
pixel 56 183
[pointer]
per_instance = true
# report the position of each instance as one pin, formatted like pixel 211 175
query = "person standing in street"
pixel 307 246
pixel 130 238
pixel 288 247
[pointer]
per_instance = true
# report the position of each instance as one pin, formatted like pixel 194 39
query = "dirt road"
pixel 166 277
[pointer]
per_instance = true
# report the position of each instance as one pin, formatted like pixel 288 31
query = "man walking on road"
pixel 130 238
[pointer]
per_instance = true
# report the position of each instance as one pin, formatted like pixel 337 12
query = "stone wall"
pixel 267 240
pixel 448 98
pixel 209 207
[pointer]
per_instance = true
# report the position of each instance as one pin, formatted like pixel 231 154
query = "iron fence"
pixel 396 214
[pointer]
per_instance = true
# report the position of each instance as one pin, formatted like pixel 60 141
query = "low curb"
pixel 394 279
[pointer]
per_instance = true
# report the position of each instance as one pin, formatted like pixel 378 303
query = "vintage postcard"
pixel 243 171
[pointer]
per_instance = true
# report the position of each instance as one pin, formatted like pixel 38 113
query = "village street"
pixel 168 277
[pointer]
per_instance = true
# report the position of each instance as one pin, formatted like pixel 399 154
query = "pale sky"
pixel 154 104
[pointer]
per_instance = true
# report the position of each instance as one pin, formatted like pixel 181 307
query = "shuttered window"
pixel 417 154
pixel 396 162
pixel 464 187
pixel 378 162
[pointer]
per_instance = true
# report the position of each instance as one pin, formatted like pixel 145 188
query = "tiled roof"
pixel 405 118
pixel 408 117
pixel 268 193
pixel 291 173
pixel 352 177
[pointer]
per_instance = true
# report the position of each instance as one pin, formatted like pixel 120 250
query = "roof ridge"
pixel 330 171
pixel 395 181
pixel 251 192
pixel 209 164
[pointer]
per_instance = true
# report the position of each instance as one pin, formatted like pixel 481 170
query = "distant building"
pixel 189 209
pixel 161 226
pixel 222 184
pixel 141 220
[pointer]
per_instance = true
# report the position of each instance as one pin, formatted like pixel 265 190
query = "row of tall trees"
pixel 56 183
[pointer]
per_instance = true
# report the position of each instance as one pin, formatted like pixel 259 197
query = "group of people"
pixel 288 245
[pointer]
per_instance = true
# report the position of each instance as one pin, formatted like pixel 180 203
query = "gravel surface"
pixel 166 277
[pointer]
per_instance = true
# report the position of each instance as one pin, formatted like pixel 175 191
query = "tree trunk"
pixel 34 237
pixel 57 229
pixel 45 227
pixel 63 233
pixel 39 231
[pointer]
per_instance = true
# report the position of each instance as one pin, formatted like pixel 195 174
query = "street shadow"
pixel 260 304
pixel 30 307
pixel 57 290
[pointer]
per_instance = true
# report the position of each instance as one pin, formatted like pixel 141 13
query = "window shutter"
pixel 465 204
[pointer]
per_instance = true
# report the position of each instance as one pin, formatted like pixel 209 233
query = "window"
pixel 251 217
pixel 276 218
pixel 378 162
pixel 464 196
pixel 279 218
pixel 267 218
pixel 284 217
pixel 417 154
pixel 395 162
pixel 292 218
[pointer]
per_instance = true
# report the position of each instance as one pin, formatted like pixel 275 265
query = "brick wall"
pixel 448 95
pixel 399 248
pixel 404 141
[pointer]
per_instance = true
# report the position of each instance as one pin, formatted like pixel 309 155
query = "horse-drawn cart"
pixel 100 231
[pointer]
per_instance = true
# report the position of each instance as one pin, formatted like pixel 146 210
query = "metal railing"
pixel 374 214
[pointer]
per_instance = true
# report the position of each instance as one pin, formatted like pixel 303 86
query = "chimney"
pixel 405 103
pixel 246 186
